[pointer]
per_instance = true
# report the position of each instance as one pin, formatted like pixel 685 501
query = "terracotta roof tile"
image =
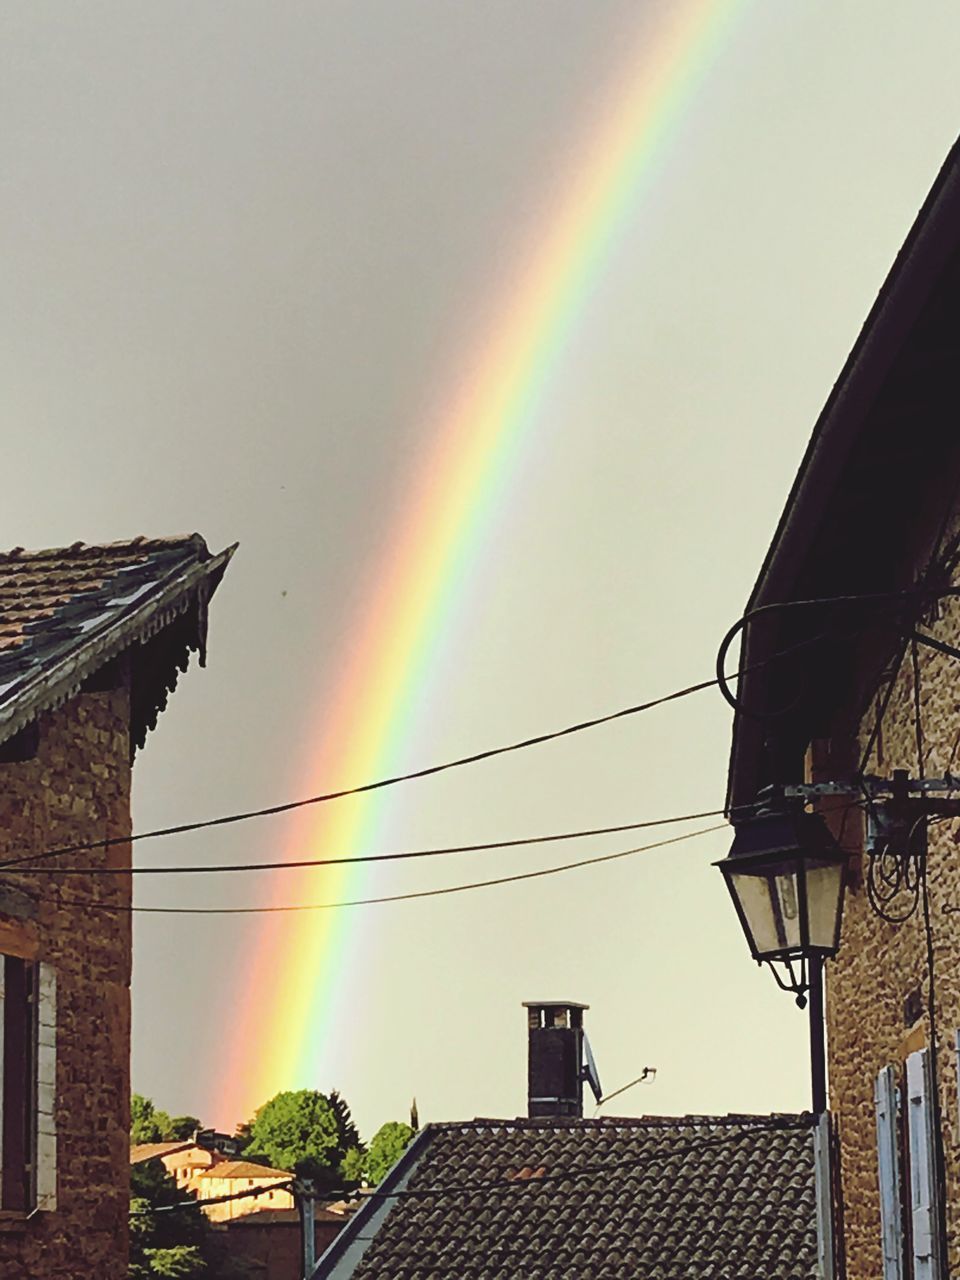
pixel 243 1169
pixel 142 1151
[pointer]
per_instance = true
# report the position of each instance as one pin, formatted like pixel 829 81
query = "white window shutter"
pixel 888 1167
pixel 46 1087
pixel 822 1163
pixel 3 976
pixel 923 1176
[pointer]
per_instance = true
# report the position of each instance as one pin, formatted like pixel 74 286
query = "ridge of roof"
pixel 142 1151
pixel 243 1169
pixel 141 543
pixel 773 1120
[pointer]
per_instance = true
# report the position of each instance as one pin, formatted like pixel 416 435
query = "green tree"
pixel 180 1128
pixel 147 1124
pixel 352 1165
pixel 348 1135
pixel 298 1130
pixel 179 1262
pixel 387 1144
pixel 163 1242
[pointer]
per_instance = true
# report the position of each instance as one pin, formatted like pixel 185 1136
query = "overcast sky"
pixel 247 251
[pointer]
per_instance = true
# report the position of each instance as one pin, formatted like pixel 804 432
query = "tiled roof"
pixel 142 1151
pixel 66 612
pixel 243 1169
pixel 694 1198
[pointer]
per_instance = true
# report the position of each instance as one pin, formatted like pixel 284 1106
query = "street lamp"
pixel 785 874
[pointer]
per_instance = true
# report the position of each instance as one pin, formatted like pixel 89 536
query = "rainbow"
pixel 474 449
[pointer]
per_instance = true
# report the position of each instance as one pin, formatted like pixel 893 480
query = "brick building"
pixel 91 643
pixel 853 690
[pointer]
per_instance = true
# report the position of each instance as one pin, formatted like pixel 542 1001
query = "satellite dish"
pixel 588 1070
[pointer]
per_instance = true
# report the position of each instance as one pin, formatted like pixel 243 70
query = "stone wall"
pixel 880 965
pixel 76 788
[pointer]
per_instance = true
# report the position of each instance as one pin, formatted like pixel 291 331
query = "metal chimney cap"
pixel 553 1004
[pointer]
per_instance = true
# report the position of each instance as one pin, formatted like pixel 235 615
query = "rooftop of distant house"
pixel 243 1169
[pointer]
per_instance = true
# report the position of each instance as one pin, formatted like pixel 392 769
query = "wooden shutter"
pixel 888 1168
pixel 46 1141
pixel 17 1091
pixel 923 1163
pixel 823 1170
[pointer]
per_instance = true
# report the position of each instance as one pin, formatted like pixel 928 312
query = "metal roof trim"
pixel 344 1253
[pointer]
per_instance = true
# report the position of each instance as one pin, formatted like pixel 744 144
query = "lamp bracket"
pixel 874 786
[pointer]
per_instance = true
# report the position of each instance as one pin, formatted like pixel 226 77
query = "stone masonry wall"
pixel 880 964
pixel 76 788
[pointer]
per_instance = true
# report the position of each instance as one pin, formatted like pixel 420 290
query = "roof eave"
pixel 932 239
pixel 51 687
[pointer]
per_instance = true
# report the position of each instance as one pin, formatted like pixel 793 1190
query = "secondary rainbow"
pixel 471 456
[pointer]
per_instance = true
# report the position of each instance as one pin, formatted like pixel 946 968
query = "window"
pixel 906 1154
pixel 28 1141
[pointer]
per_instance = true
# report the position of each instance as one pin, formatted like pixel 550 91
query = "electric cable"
pixel 199 1204
pixel 723 681
pixel 289 864
pixel 365 787
pixel 272 810
pixel 395 897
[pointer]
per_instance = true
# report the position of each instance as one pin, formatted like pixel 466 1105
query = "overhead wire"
pixel 123 908
pixel 185 828
pixel 363 788
pixel 295 863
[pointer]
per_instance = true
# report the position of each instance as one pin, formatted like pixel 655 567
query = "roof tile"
pixel 658 1197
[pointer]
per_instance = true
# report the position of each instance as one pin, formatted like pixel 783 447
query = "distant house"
pixel 555 1195
pixel 233 1178
pixel 206 1173
pixel 92 640
pixel 854 694
pixel 184 1161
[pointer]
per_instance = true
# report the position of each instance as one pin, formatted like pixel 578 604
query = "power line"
pixel 428 771
pixel 289 864
pixel 395 897
pixel 199 1204
pixel 363 788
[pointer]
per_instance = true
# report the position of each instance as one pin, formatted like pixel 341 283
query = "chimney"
pixel 555 1057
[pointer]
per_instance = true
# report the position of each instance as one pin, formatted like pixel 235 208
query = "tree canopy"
pixel 387 1144
pixel 301 1130
pixel 147 1124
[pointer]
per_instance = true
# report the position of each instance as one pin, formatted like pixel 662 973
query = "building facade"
pixel 851 670
pixel 91 640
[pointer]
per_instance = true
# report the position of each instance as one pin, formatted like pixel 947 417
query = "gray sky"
pixel 247 250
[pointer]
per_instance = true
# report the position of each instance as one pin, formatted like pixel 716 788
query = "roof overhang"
pixel 876 480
